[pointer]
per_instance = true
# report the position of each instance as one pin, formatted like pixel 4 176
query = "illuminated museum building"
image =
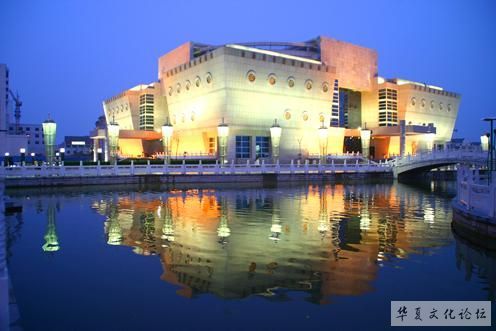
pixel 321 83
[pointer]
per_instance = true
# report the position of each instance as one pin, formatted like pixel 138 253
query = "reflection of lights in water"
pixel 168 224
pixel 364 221
pixel 380 256
pixel 432 186
pixel 114 233
pixel 429 214
pixel 223 231
pixel 324 225
pixel 51 239
pixel 114 230
pixel 275 229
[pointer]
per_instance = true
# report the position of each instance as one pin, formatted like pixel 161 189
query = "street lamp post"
pixel 275 139
pixel 6 159
pixel 490 146
pixel 167 131
pixel 23 156
pixel 222 133
pixel 62 154
pixel 323 139
pixel 49 132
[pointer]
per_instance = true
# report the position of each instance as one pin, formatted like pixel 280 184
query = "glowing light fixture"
pixel 49 132
pixel 484 139
pixel 365 138
pixel 275 138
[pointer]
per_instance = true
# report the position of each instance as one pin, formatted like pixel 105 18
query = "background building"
pixel 320 83
pixel 10 143
pixel 77 148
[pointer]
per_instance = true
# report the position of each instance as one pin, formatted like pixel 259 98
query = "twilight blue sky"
pixel 65 57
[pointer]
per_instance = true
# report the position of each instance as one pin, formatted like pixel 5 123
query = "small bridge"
pixel 427 161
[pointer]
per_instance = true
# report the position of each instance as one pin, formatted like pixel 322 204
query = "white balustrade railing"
pixel 476 193
pixel 194 169
pixel 450 154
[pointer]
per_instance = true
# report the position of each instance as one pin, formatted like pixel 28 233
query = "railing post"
pixel 183 167
pixel 98 170
pixel 232 166
pixel 291 167
pixel 200 167
pixel 115 168
pixel 306 166
pixel 132 168
pixel 148 168
pixel 263 166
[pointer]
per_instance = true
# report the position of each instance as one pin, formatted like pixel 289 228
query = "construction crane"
pixel 17 111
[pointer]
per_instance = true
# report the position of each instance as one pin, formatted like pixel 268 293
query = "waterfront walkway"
pixel 190 169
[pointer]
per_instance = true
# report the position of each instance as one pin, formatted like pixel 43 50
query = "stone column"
pixel 96 145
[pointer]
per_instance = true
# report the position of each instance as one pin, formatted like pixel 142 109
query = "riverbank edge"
pixel 24 182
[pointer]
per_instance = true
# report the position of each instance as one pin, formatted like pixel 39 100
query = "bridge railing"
pixel 193 169
pixel 463 155
pixel 476 193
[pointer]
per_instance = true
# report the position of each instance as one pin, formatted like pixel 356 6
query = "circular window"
pixel 305 116
pixel 423 103
pixel 308 84
pixel 441 106
pixel 208 78
pixel 272 79
pixel 197 81
pixel 170 90
pixel 325 87
pixel 449 107
pixel 178 88
pixel 414 101
pixel 251 76
pixel 432 104
pixel 287 115
pixel 291 82
pixel 188 85
pixel 321 118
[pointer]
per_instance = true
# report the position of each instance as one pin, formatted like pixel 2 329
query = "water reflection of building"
pixel 477 259
pixel 51 239
pixel 326 241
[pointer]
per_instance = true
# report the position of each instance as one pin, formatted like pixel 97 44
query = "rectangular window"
pixel 262 147
pixel 243 147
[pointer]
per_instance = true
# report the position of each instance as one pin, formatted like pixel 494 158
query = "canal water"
pixel 293 257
